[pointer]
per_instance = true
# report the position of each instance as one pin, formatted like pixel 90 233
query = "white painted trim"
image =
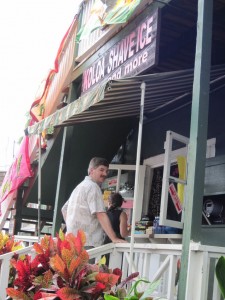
pixel 165 160
pixel 158 160
pixel 140 184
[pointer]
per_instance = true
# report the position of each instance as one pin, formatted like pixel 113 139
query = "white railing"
pixel 5 268
pixel 152 261
pixel 26 240
pixel 202 283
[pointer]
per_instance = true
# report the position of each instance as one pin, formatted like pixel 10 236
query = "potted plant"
pixel 61 270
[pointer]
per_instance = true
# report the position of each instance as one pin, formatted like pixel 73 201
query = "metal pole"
pixel 138 158
pixel 39 189
pixel 56 209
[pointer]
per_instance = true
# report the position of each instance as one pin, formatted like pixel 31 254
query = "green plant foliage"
pixel 133 293
pixel 151 288
pixel 220 274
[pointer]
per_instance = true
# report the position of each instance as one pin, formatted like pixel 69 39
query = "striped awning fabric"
pixel 121 98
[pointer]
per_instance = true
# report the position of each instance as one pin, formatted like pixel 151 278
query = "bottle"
pixel 156 227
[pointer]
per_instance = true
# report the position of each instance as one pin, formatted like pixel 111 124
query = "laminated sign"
pixel 175 198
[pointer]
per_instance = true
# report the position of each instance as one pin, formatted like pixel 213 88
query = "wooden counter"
pixel 158 238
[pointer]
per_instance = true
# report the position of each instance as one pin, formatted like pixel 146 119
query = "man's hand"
pixel 117 240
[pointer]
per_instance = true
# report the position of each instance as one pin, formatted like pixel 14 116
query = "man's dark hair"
pixel 96 162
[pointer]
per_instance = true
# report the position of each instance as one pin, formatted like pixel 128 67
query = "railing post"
pixel 4 277
pixel 197 275
pixel 115 259
pixel 171 277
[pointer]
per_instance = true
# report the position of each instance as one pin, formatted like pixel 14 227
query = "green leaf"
pixel 121 293
pixel 91 277
pixel 220 274
pixel 134 287
pixel 151 288
pixel 110 297
pixel 102 261
pixel 61 235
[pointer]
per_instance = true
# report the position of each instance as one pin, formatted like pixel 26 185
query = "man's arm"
pixel 107 227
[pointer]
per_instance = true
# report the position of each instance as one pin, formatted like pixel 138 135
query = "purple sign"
pixel 133 54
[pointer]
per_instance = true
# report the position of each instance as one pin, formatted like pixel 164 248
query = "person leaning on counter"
pixel 117 217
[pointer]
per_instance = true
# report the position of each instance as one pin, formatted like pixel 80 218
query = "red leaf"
pixel 94 288
pixel 107 278
pixel 68 294
pixel 82 237
pixel 117 271
pixel 44 295
pixel 15 294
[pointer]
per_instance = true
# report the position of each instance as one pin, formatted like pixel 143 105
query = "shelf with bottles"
pixel 112 185
pixel 121 178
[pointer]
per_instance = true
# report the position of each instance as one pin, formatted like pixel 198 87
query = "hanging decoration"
pixel 18 173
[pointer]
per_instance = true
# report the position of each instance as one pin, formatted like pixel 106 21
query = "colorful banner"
pixel 37 110
pixel 119 14
pixel 19 171
pixel 94 21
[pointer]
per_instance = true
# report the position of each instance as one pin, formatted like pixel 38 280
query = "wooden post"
pixel 198 138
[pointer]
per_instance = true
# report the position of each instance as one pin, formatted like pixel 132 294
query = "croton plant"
pixel 8 244
pixel 61 270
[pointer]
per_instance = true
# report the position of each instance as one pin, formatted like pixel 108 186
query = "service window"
pixel 167 174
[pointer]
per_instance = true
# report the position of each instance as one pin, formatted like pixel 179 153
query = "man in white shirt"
pixel 85 208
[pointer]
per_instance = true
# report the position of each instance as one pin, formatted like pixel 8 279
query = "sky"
pixel 30 34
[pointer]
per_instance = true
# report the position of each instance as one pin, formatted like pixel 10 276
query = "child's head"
pixel 115 200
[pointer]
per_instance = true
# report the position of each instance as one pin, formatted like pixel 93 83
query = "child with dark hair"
pixel 117 217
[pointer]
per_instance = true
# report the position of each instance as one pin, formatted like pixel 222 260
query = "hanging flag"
pixel 94 21
pixel 98 18
pixel 37 110
pixel 121 12
pixel 19 171
pixel 38 106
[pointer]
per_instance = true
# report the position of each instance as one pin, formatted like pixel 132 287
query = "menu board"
pixel 156 190
pixel 155 195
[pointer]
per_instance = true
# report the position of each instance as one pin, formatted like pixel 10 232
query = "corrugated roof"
pixel 121 98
